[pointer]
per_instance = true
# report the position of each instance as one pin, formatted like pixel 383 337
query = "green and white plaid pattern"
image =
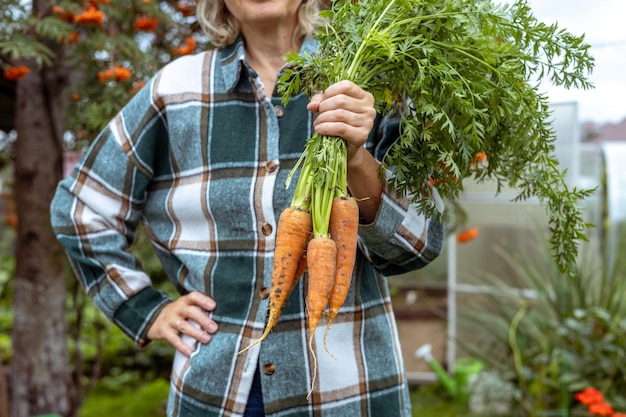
pixel 201 156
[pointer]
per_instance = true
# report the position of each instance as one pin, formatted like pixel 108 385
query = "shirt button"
pixel 264 292
pixel 271 166
pixel 269 368
pixel 280 111
pixel 266 229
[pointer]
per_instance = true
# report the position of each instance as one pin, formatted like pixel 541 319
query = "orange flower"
pixel 75 97
pixel 479 157
pixel 589 396
pixel 187 48
pixel 15 73
pixel 146 24
pixel 91 16
pixel 467 235
pixel 594 400
pixel 122 73
pixel 600 409
pixel 106 75
pixel 116 73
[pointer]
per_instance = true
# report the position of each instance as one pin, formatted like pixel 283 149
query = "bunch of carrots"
pixel 318 233
pixel 462 75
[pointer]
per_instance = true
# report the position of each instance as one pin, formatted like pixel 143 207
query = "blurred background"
pixel 493 295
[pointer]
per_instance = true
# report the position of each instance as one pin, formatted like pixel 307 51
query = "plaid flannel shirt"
pixel 201 155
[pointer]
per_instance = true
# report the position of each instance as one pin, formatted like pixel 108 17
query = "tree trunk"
pixel 40 372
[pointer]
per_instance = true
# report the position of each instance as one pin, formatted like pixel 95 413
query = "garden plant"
pixel 553 335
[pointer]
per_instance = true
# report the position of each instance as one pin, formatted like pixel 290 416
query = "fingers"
pixel 185 316
pixel 314 103
pixel 192 330
pixel 345 110
pixel 351 90
pixel 344 95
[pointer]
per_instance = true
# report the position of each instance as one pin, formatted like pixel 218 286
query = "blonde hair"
pixel 222 28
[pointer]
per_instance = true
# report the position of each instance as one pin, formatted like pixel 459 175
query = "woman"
pixel 200 156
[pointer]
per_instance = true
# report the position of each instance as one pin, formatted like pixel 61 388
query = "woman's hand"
pixel 344 110
pixel 172 322
pixel 347 111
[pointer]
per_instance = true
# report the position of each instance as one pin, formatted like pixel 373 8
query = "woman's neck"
pixel 265 53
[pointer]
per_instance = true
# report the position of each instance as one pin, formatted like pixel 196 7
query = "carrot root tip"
pixel 325 344
pixel 308 396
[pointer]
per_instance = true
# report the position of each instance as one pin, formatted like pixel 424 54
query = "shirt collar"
pixel 233 59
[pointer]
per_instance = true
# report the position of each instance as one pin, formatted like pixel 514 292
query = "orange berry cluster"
pixel 116 73
pixel 596 404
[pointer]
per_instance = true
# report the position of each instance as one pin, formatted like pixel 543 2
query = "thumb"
pixel 314 104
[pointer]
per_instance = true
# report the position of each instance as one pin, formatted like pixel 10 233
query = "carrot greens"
pixel 463 76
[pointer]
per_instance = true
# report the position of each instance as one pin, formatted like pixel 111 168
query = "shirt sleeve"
pixel 401 238
pixel 95 213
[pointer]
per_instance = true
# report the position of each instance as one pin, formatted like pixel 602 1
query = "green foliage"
pixel 140 400
pixel 565 334
pixel 19 48
pixel 466 74
pixel 431 400
pixel 119 43
pixel 40 35
pixel 7 267
pixel 16 26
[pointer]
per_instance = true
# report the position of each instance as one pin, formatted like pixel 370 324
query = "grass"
pixel 432 401
pixel 148 400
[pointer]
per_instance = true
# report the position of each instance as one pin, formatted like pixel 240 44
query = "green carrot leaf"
pixel 465 74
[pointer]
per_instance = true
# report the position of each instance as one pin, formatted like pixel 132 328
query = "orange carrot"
pixel 293 233
pixel 343 229
pixel 302 267
pixel 321 261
